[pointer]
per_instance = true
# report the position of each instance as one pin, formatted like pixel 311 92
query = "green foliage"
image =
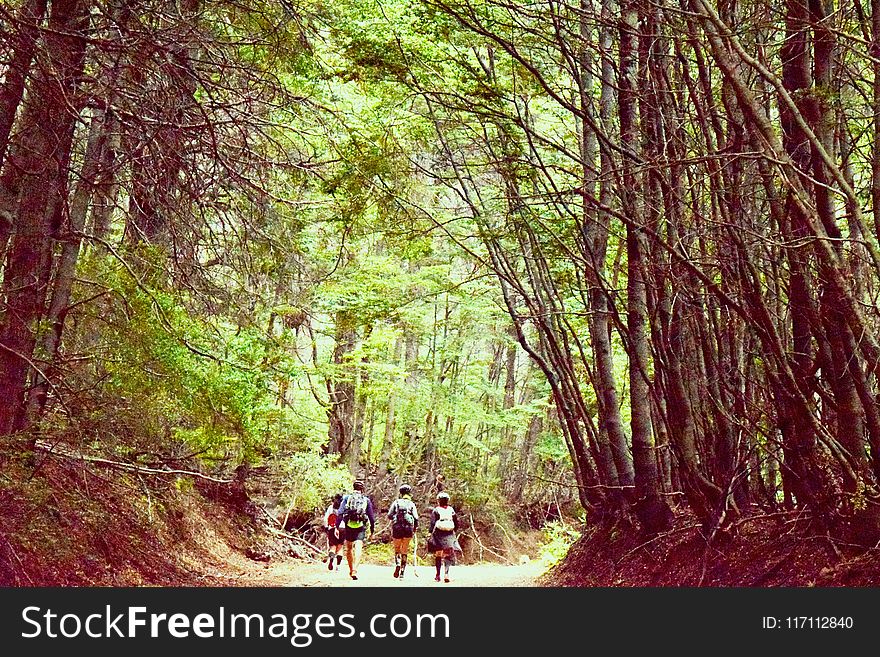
pixel 352 275
pixel 160 366
pixel 310 479
pixel 381 553
pixel 558 537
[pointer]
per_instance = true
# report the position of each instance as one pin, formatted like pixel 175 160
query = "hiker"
pixel 444 522
pixel 356 509
pixel 335 539
pixel 404 523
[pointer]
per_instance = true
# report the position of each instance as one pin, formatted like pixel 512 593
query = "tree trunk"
pixel 653 512
pixel 875 169
pixel 46 135
pixel 66 268
pixel 24 37
pixel 390 418
pixel 340 387
pixel 595 230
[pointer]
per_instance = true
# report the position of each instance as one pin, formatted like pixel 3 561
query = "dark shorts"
pixel 401 532
pixel 332 538
pixel 355 533
pixel 443 540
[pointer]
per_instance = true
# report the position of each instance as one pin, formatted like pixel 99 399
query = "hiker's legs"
pixel 332 550
pixel 448 560
pixel 349 555
pixel 401 547
pixel 438 558
pixel 404 551
pixel 355 560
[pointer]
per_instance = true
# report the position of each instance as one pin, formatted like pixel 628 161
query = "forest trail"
pixel 307 574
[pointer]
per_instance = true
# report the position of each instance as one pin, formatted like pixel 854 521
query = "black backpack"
pixel 405 515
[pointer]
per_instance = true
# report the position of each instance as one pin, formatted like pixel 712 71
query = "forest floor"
pixel 760 550
pixel 64 524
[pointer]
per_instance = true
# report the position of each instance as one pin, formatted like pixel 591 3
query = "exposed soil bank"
pixel 762 550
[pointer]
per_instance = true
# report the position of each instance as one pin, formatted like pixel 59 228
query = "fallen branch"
pixel 798 514
pixel 655 538
pixel 508 536
pixel 287 515
pixel 269 516
pixel 293 537
pixel 119 465
pixel 303 541
pixel 484 547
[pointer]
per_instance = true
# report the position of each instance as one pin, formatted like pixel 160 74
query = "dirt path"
pixel 300 573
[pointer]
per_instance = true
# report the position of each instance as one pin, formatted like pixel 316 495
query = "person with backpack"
pixel 444 523
pixel 404 523
pixel 356 510
pixel 335 539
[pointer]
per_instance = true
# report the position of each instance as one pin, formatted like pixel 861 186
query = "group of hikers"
pixel 346 519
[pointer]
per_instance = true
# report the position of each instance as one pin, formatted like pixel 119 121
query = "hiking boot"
pixel 396 571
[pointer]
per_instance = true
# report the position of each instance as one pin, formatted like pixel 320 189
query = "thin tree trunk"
pixel 390 418
pixel 341 388
pixel 653 512
pixel 875 169
pixel 25 35
pixel 50 341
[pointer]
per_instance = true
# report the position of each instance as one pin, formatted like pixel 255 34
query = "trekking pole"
pixel 415 554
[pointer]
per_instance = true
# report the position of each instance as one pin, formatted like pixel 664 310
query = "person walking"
pixel 335 539
pixel 404 523
pixel 444 523
pixel 356 510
